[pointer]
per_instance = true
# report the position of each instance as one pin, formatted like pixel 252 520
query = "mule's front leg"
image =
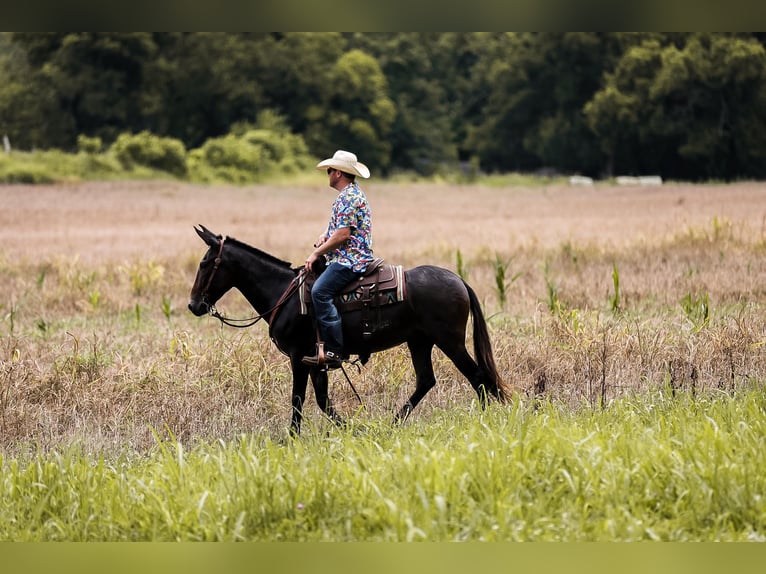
pixel 300 380
pixel 320 382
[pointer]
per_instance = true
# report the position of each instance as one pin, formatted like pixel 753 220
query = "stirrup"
pixel 316 360
pixel 324 360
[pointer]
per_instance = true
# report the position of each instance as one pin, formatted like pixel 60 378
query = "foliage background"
pixel 680 105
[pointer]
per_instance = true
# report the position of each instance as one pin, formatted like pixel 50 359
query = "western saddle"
pixel 380 284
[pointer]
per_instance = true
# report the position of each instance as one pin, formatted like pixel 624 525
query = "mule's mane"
pixel 258 253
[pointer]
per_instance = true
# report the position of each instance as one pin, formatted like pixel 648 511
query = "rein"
pixel 292 288
pixel 238 323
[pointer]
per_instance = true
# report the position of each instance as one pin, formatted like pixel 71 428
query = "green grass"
pixel 58 166
pixel 660 469
pixel 52 166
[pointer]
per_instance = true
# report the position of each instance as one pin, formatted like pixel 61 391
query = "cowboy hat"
pixel 345 161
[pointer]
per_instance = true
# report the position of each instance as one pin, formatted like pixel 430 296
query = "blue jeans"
pixel 328 285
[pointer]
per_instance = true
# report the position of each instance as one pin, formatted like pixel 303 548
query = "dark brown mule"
pixel 435 313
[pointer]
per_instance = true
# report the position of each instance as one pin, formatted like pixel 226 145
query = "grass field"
pixel 629 321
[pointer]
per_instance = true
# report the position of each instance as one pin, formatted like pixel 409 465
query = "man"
pixel 347 247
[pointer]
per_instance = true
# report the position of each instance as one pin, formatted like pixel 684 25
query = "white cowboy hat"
pixel 347 162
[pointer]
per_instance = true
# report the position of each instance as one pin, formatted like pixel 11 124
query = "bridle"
pixel 216 265
pixel 250 321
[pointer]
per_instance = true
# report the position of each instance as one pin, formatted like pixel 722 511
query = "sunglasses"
pixel 330 170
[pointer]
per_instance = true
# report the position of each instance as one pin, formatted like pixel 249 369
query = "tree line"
pixel 681 105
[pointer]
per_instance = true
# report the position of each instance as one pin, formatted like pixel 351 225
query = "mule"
pixel 434 313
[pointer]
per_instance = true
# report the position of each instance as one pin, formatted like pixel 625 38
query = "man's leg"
pixel 326 287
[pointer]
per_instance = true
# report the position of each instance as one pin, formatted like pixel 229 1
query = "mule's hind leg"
pixel 319 380
pixel 424 376
pixel 458 354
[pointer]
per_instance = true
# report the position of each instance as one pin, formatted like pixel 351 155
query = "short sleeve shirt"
pixel 352 210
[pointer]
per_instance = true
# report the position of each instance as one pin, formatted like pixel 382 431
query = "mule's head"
pixel 212 279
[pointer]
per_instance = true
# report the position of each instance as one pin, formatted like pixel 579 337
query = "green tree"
pixel 421 135
pixel 97 77
pixel 686 106
pixel 28 103
pixel 619 114
pixel 710 98
pixel 537 85
pixel 295 71
pixel 354 112
pixel 189 86
pixel 205 82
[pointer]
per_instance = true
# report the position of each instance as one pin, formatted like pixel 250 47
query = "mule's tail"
pixel 482 348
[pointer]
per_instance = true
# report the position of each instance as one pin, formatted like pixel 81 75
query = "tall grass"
pixel 653 468
pixel 102 353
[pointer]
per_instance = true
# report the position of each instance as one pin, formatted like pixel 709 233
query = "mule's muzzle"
pixel 199 308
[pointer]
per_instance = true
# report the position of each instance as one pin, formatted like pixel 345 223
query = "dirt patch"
pixel 115 221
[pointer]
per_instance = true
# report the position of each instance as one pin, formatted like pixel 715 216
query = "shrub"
pixel 89 145
pixel 25 173
pixel 50 166
pixel 227 158
pixel 17 168
pixel 273 147
pixel 248 155
pixel 149 150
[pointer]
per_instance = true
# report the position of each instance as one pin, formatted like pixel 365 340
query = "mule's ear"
pixel 208 236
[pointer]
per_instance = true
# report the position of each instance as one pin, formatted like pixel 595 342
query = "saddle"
pixel 380 284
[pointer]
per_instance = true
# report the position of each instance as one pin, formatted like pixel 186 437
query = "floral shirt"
pixel 352 210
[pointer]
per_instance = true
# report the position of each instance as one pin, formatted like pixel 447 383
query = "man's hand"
pixel 310 261
pixel 326 244
pixel 320 240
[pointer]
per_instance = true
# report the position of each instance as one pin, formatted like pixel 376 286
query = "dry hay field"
pixel 592 293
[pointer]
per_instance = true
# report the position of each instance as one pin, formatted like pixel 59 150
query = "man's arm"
pixel 338 238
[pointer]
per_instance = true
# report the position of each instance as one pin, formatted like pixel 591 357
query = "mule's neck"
pixel 261 278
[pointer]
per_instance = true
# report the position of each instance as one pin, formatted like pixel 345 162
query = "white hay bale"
pixel 650 180
pixel 580 180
